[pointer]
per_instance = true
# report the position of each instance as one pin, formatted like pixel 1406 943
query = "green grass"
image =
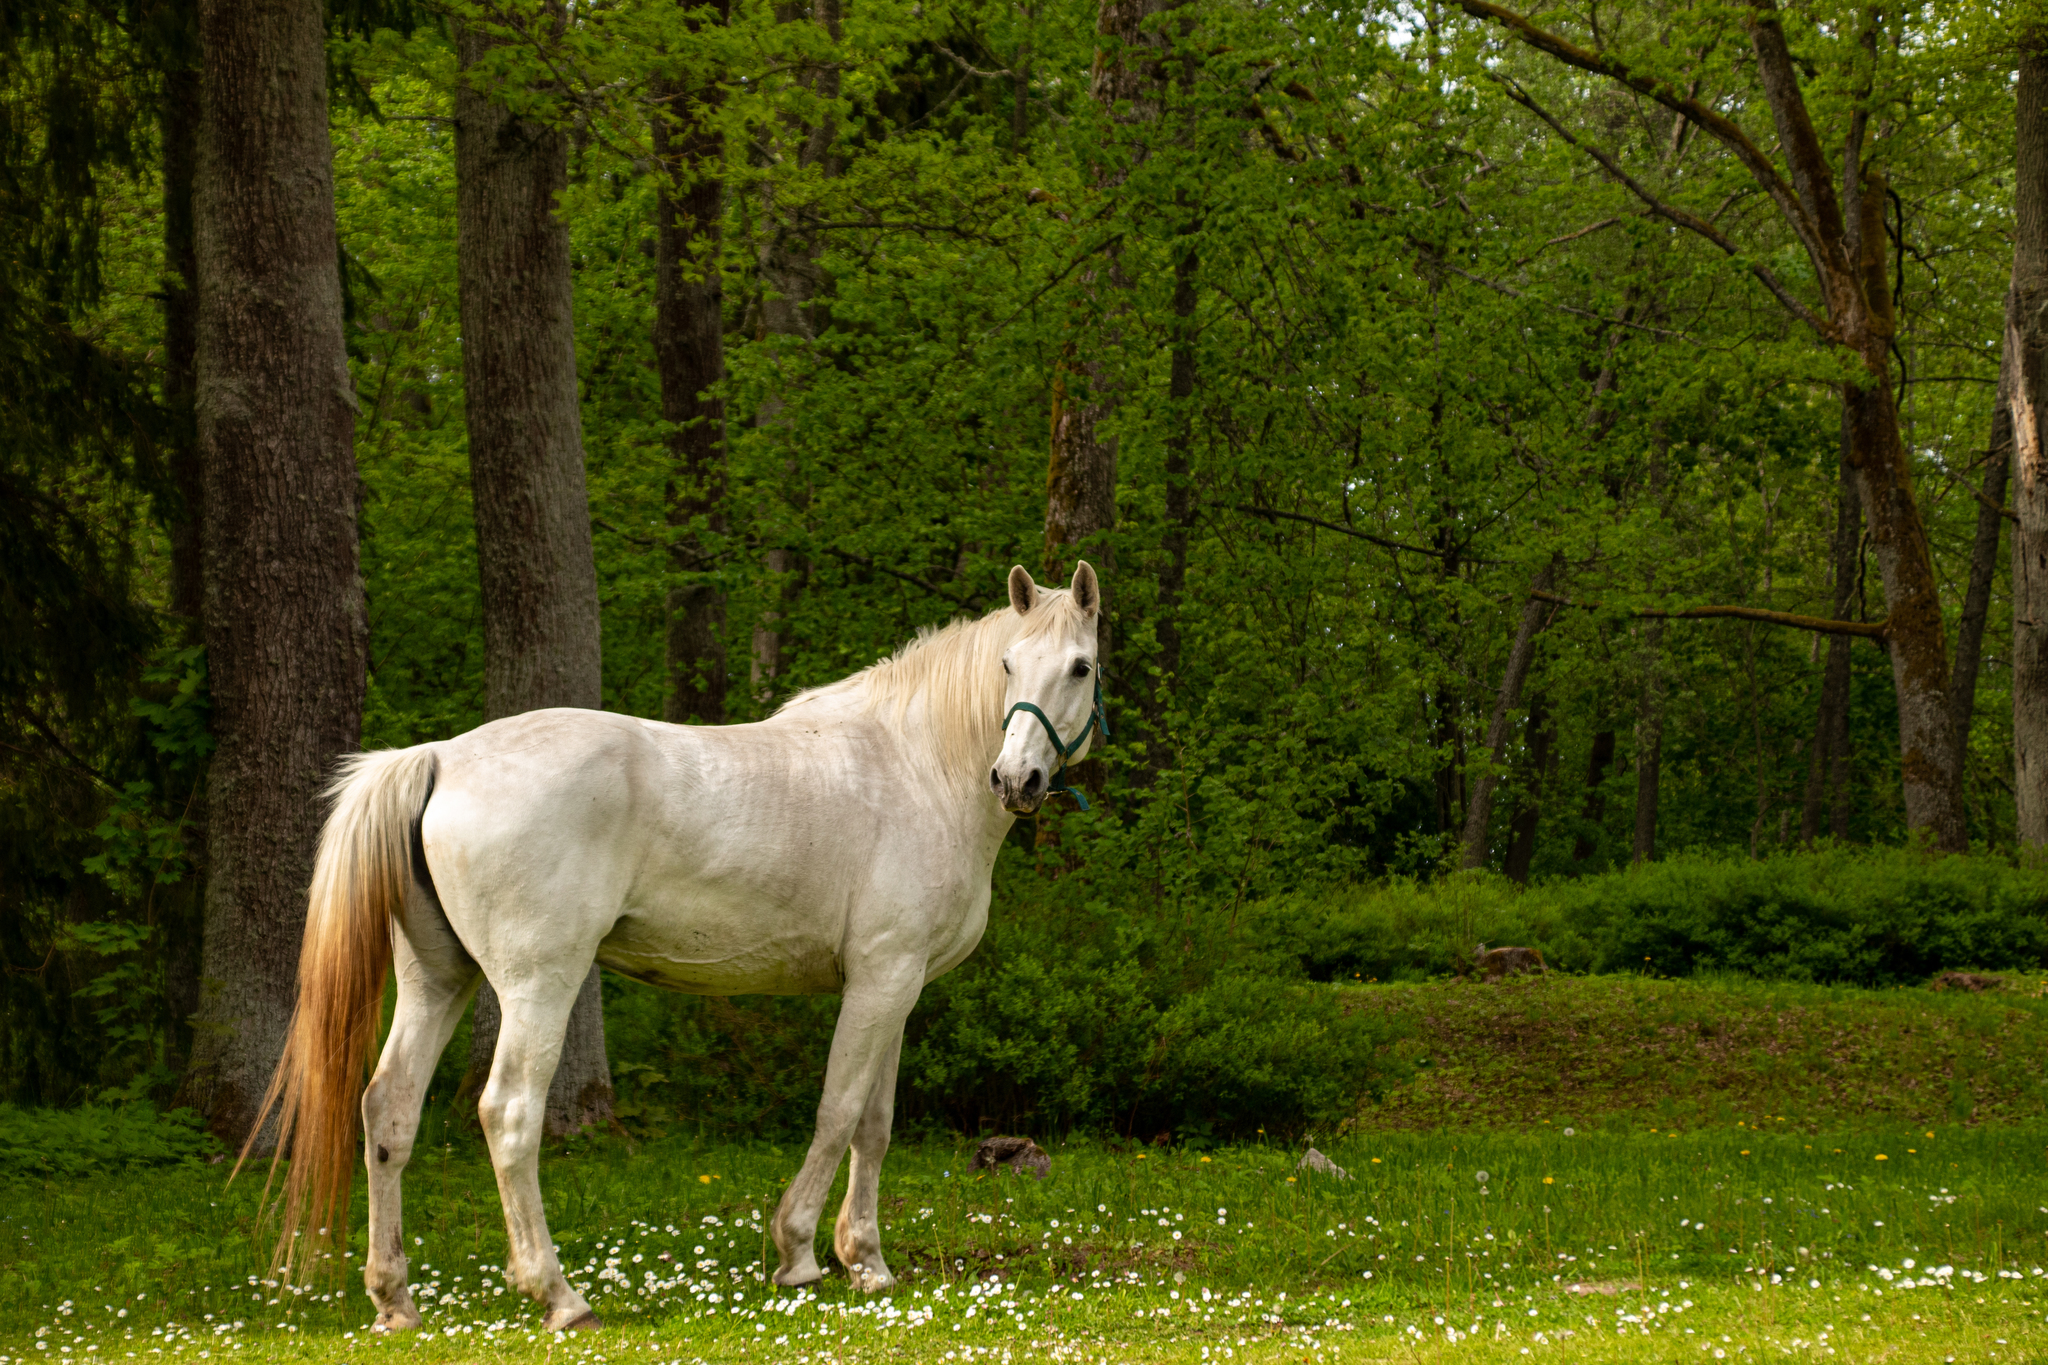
pixel 1768 1236
pixel 1672 1169
pixel 1640 1052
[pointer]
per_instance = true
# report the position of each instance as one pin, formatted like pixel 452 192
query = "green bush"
pixel 1867 917
pixel 37 1143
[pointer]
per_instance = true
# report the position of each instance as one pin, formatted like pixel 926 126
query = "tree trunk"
pixel 1649 749
pixel 1915 633
pixel 1541 734
pixel 284 624
pixel 689 351
pixel 2026 358
pixel 1831 723
pixel 1962 705
pixel 1479 813
pixel 534 553
pixel 792 306
pixel 1597 763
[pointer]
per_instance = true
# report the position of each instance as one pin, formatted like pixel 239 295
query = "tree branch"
pixel 1718 125
pixel 1271 512
pixel 1690 221
pixel 1870 630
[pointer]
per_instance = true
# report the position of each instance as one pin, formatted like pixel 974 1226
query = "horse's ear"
pixel 1023 592
pixel 1087 592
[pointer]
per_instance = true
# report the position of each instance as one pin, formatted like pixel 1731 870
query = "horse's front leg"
pixel 857 1237
pixel 864 1047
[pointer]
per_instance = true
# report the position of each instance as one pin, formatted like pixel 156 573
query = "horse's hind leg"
pixel 857 1237
pixel 435 981
pixel 514 1111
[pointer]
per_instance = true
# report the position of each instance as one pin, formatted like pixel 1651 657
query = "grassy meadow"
pixel 1543 1227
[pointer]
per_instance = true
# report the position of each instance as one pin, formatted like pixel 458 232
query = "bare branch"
pixel 1692 222
pixel 1718 125
pixel 1869 630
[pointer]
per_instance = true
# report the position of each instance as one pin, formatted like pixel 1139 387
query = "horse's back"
pixel 722 859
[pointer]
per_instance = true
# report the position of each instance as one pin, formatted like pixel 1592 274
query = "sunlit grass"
pixel 1613 1245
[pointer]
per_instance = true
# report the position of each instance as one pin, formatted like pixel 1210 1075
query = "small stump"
pixel 1966 981
pixel 1012 1154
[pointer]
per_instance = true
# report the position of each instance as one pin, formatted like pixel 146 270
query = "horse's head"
pixel 1051 695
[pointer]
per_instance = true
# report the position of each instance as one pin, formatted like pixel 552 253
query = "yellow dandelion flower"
pixel 703 1180
pixel 1205 1160
pixel 1882 1157
pixel 1549 1180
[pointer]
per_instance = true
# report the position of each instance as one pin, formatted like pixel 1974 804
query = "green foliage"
pixel 38 1144
pixel 1869 917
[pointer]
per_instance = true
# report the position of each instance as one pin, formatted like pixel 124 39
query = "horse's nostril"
pixel 995 780
pixel 1033 782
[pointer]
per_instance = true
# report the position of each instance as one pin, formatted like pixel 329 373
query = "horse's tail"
pixel 360 880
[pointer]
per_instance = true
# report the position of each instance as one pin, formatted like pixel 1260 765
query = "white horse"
pixel 845 844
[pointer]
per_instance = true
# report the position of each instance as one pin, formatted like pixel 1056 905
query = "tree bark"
pixel 539 577
pixel 1831 722
pixel 284 625
pixel 689 351
pixel 1479 813
pixel 2026 358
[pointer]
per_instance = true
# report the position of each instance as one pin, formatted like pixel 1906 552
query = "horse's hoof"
pixel 578 1321
pixel 396 1320
pixel 798 1277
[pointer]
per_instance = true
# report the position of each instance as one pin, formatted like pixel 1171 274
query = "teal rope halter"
pixel 1098 719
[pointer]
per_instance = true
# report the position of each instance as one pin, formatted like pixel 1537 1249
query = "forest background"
pixel 1417 376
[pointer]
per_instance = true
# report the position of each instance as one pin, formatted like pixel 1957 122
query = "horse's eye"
pixel 1006 665
pixel 1080 668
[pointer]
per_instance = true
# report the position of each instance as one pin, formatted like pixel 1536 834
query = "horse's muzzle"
pixel 1019 798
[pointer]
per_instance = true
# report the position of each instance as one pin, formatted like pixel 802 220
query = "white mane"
pixel 956 672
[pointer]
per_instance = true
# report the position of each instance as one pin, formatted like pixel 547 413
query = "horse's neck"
pixel 960 801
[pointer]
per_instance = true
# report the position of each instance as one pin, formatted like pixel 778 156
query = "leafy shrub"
pixel 36 1143
pixel 1868 917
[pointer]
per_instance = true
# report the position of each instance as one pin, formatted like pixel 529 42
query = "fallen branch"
pixel 1869 630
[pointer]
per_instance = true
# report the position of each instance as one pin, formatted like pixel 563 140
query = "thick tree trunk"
pixel 1962 703
pixel 1479 813
pixel 1915 632
pixel 2026 358
pixel 534 555
pixel 1831 722
pixel 284 623
pixel 1649 749
pixel 689 351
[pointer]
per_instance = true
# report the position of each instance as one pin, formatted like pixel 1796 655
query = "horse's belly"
pixel 716 960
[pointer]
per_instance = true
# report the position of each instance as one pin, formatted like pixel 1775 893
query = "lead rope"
pixel 1098 719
